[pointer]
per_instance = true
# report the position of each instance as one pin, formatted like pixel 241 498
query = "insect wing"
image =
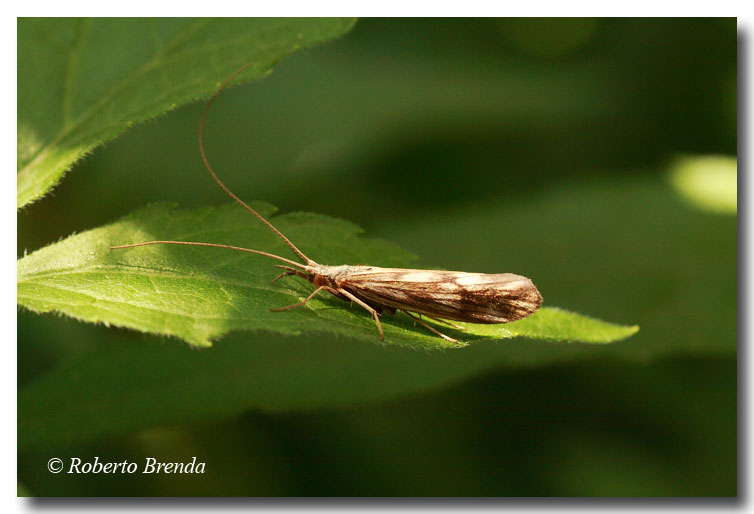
pixel 454 295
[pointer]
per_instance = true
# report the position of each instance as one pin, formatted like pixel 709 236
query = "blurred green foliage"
pixel 542 147
pixel 708 182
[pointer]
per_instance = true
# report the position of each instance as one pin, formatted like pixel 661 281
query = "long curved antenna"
pixel 223 186
pixel 227 247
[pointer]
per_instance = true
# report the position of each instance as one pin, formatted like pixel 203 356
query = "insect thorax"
pixel 331 275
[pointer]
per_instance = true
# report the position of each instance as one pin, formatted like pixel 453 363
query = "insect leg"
pixel 457 327
pixel 300 304
pixel 286 274
pixel 369 309
pixel 289 271
pixel 421 321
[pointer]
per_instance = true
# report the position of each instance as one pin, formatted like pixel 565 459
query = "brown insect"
pixel 438 295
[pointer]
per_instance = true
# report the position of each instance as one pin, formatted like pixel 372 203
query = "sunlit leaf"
pixel 198 294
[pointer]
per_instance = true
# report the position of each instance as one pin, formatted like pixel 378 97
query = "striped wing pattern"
pixel 452 295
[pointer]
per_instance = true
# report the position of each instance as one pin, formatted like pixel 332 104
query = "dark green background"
pixel 535 146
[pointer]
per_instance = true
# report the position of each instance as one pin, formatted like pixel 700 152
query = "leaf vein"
pixel 70 70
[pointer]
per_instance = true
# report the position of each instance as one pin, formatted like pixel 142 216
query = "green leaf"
pixel 83 81
pixel 199 293
pixel 128 385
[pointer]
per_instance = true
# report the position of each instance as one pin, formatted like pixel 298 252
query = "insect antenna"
pixel 214 245
pixel 307 260
pixel 223 186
